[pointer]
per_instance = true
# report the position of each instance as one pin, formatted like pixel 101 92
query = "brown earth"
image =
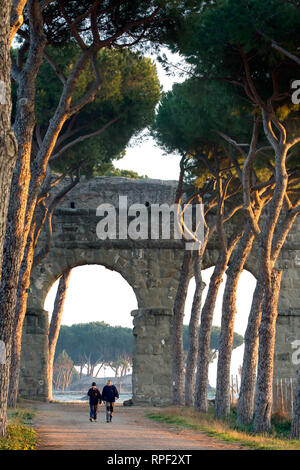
pixel 63 426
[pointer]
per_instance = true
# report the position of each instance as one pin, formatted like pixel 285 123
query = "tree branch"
pixel 246 183
pixel 76 34
pixel 55 67
pixel 285 52
pixel 84 137
pixel 16 19
pixel 57 199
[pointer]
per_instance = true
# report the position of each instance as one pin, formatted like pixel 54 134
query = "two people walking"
pixel 108 397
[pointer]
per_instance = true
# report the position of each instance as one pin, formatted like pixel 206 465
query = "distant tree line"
pixel 93 345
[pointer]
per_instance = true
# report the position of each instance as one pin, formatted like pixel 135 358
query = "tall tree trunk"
pixel 8 157
pixel 15 235
pixel 207 313
pixel 263 415
pixel 295 427
pixel 8 143
pixel 271 278
pixel 267 330
pixel 24 283
pixel 177 330
pixel 56 321
pixel 193 332
pixel 245 407
pixel 222 401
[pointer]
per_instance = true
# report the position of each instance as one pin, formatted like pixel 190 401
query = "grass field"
pixel 20 435
pixel 227 430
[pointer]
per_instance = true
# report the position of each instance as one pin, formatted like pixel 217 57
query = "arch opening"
pixel 103 297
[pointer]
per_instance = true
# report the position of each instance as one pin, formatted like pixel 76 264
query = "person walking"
pixel 95 398
pixel 109 396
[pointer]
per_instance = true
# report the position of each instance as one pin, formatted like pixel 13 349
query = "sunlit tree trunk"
pixel 222 401
pixel 247 390
pixel 225 250
pixel 269 275
pixel 267 331
pixel 8 143
pixel 24 283
pixel 56 322
pixel 16 235
pixel 193 332
pixel 207 313
pixel 177 330
pixel 8 157
pixel 245 406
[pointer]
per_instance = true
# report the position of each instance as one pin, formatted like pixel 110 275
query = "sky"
pixel 92 289
pixel 148 159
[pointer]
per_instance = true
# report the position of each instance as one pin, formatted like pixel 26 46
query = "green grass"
pixel 227 430
pixel 20 435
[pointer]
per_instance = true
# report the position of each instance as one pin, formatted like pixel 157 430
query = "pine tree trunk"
pixel 245 407
pixel 8 143
pixel 271 278
pixel 24 284
pixel 18 221
pixel 56 321
pixel 222 401
pixel 193 332
pixel 295 427
pixel 267 330
pixel 8 157
pixel 15 234
pixel 177 330
pixel 208 309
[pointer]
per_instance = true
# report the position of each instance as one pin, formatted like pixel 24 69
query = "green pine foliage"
pixel 97 341
pixel 130 91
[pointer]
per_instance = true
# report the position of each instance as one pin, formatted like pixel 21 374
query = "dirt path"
pixel 66 426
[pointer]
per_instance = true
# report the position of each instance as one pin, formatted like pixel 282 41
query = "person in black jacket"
pixel 109 396
pixel 95 398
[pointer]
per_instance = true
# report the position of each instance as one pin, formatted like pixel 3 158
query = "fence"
pixel 283 393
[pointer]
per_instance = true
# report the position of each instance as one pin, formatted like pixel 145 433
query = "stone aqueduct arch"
pixel 151 267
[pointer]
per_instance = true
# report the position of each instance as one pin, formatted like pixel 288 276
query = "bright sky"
pixel 98 294
pixel 147 159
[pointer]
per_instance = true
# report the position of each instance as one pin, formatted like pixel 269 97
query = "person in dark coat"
pixel 109 396
pixel 95 398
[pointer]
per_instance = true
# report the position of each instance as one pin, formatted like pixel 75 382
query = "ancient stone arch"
pixel 151 267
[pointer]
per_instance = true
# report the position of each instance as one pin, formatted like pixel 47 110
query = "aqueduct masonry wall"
pixel 151 267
